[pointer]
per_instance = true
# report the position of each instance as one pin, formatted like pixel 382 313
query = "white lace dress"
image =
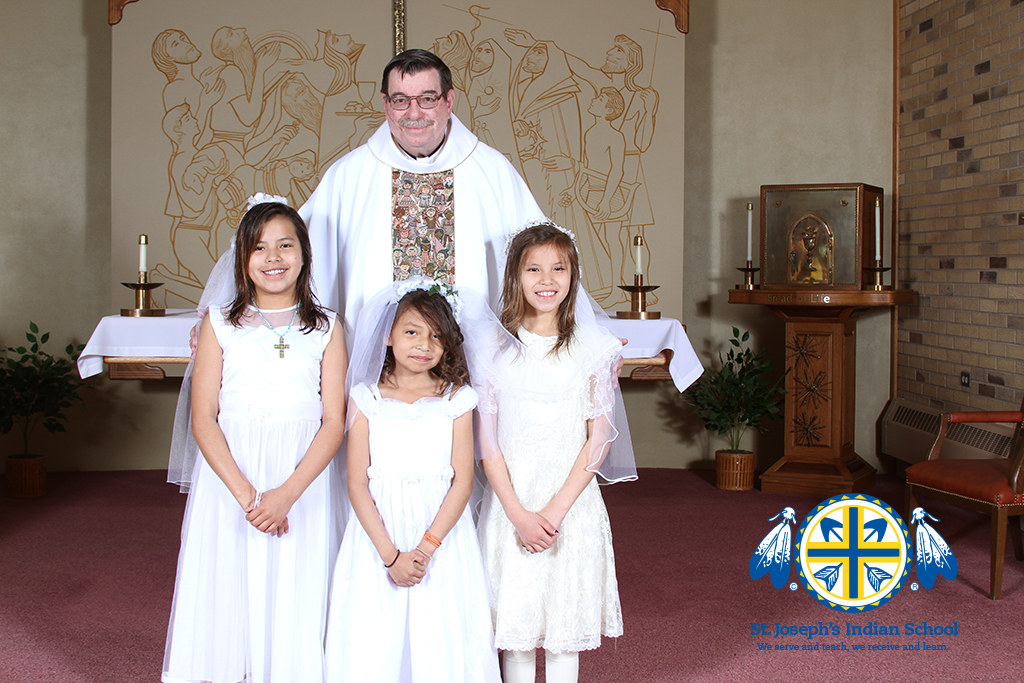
pixel 440 629
pixel 565 598
pixel 249 606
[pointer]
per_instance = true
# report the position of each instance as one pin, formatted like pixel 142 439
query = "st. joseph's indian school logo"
pixel 853 552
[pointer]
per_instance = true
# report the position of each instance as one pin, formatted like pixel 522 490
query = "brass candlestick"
pixel 638 301
pixel 748 276
pixel 143 298
pixel 876 272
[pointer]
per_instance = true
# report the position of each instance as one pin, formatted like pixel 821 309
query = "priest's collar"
pixel 458 145
pixel 427 158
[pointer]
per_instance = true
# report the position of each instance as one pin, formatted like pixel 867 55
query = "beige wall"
pixel 55 189
pixel 775 92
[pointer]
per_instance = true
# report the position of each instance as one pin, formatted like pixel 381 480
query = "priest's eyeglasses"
pixel 402 102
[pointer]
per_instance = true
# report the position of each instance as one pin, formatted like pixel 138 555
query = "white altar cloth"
pixel 163 337
pixel 648 338
pixel 167 337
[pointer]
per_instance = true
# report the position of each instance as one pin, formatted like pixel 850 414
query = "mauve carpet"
pixel 88 571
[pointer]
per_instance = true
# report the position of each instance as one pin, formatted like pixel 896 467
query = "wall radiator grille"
pixel 909 429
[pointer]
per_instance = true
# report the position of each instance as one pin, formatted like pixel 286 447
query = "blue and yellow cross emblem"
pixel 853 552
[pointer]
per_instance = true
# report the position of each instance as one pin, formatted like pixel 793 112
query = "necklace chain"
pixel 280 346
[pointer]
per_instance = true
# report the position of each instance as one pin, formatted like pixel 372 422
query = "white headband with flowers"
pixel 264 198
pixel 450 294
pixel 534 223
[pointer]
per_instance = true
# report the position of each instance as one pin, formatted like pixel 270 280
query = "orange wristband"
pixel 432 539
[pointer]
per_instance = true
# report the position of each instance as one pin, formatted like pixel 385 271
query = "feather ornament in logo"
pixel 853 552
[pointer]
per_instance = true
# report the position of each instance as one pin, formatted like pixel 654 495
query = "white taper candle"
pixel 638 249
pixel 143 242
pixel 750 231
pixel 878 230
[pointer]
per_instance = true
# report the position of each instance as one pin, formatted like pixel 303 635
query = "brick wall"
pixel 962 202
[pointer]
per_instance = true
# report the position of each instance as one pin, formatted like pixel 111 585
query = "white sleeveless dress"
pixel 565 598
pixel 249 606
pixel 440 629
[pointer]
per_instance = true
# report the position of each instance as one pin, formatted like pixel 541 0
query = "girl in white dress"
pixel 544 529
pixel 409 597
pixel 268 406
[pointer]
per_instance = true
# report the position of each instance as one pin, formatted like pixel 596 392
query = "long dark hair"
pixel 452 369
pixel 513 301
pixel 310 314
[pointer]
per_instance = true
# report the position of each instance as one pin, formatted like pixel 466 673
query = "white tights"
pixel 559 667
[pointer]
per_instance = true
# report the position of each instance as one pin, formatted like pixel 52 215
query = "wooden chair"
pixel 994 486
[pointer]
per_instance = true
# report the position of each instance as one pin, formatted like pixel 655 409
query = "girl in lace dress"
pixel 409 597
pixel 544 529
pixel 268 401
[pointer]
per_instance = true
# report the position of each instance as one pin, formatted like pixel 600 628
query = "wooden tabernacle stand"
pixel 821 355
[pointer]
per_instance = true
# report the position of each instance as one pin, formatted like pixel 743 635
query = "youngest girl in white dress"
pixel 409 598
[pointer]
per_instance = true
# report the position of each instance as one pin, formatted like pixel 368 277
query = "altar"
pixel 136 348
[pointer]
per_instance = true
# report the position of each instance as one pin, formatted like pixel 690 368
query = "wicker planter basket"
pixel 26 476
pixel 734 470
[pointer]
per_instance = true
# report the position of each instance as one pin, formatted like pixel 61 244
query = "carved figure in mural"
pixel 810 256
pixel 194 175
pixel 623 63
pixel 481 71
pixel 323 96
pixel 290 121
pixel 599 187
pixel 546 123
pixel 349 113
pixel 487 95
pixel 174 56
pixel 455 51
pixel 243 72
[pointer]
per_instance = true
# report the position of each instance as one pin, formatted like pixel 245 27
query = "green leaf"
pixel 737 396
pixel 36 387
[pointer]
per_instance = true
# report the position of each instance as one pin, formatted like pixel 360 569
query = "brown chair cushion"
pixel 984 480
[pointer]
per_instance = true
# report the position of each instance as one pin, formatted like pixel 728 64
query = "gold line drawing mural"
pixel 268 115
pixel 577 133
pixel 680 10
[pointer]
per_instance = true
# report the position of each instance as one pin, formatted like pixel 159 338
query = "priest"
pixel 423 196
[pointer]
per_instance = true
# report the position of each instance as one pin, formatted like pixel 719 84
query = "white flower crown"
pixel 263 198
pixel 450 294
pixel 534 223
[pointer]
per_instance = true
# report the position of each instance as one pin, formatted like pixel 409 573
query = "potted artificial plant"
pixel 732 399
pixel 35 389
